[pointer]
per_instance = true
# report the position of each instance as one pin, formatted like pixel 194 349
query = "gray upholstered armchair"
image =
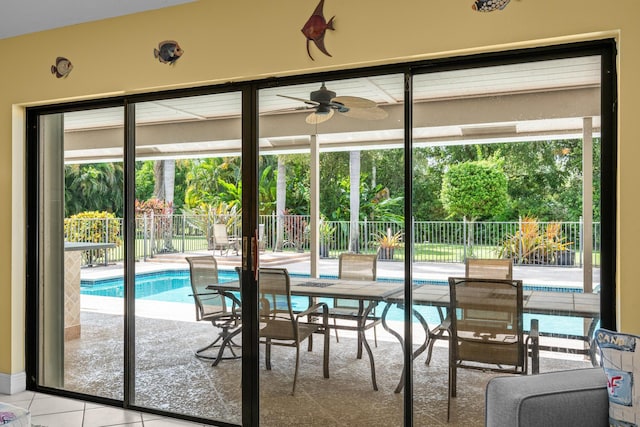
pixel 554 399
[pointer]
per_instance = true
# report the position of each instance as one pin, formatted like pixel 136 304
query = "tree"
pixel 475 189
pixel 94 187
pixel 146 181
pixel 214 180
pixel 281 201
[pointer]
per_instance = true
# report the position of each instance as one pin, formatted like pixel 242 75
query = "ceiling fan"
pixel 325 103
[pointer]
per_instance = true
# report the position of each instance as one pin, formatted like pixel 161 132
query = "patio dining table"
pixel 369 292
pixel 571 304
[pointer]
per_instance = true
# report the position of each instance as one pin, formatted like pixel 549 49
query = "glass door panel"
pixel 82 313
pixel 499 156
pixel 188 205
pixel 331 192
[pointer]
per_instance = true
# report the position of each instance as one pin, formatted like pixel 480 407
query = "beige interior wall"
pixel 237 40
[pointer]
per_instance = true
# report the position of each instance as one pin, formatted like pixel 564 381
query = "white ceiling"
pixel 20 17
pixel 506 103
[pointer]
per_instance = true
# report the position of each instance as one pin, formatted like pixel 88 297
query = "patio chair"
pixel 481 268
pixel 353 266
pixel 486 328
pixel 279 325
pixel 212 306
pixel 222 241
pixel 486 268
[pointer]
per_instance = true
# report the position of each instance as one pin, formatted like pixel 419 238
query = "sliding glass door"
pixel 403 173
pixel 81 201
pixel 331 208
pixel 506 164
pixel 187 206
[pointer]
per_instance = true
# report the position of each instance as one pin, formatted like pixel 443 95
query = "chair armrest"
pixel 314 310
pixel 228 294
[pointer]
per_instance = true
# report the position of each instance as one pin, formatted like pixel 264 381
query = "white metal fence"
pixel 434 241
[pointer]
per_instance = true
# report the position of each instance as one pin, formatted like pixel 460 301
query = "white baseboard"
pixel 14 383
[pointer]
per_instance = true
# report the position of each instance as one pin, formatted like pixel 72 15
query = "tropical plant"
pixel 296 229
pixel 94 187
pixel 162 224
pixel 326 232
pixel 214 180
pixel 387 242
pixel 533 245
pixel 204 216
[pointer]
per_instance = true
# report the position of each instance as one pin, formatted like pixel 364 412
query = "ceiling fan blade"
pixel 375 113
pixel 315 118
pixel 354 102
pixel 306 101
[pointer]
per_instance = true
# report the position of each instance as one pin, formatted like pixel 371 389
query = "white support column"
pixel 314 205
pixel 587 203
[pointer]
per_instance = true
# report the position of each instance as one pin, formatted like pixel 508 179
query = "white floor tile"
pixel 108 416
pixel 91 405
pixel 65 419
pixel 54 405
pixel 17 397
pixel 24 404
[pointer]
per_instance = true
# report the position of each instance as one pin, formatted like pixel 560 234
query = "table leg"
pixel 400 339
pixel 362 340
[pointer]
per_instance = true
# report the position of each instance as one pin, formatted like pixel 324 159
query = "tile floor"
pixel 53 411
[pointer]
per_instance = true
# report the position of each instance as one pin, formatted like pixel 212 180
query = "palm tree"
pixel 94 187
pixel 281 201
pixel 165 172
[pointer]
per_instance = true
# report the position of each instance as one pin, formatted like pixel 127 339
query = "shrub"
pixel 92 227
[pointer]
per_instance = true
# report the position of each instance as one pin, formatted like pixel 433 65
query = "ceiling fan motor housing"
pixel 323 97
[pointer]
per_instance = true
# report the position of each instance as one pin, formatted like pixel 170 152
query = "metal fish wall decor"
pixel 489 5
pixel 315 29
pixel 62 67
pixel 168 52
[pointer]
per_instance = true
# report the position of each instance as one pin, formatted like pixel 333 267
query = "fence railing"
pixel 541 243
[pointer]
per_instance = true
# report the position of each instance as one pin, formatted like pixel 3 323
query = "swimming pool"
pixel 174 286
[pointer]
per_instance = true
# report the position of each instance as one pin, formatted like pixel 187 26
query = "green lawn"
pixel 424 252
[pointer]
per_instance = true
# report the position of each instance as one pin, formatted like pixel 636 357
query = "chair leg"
pixel 335 329
pixel 454 381
pixel 295 374
pixel 449 399
pixel 325 354
pixel 203 349
pixel 227 343
pixel 451 389
pixel 267 354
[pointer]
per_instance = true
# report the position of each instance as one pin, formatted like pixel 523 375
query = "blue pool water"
pixel 174 286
